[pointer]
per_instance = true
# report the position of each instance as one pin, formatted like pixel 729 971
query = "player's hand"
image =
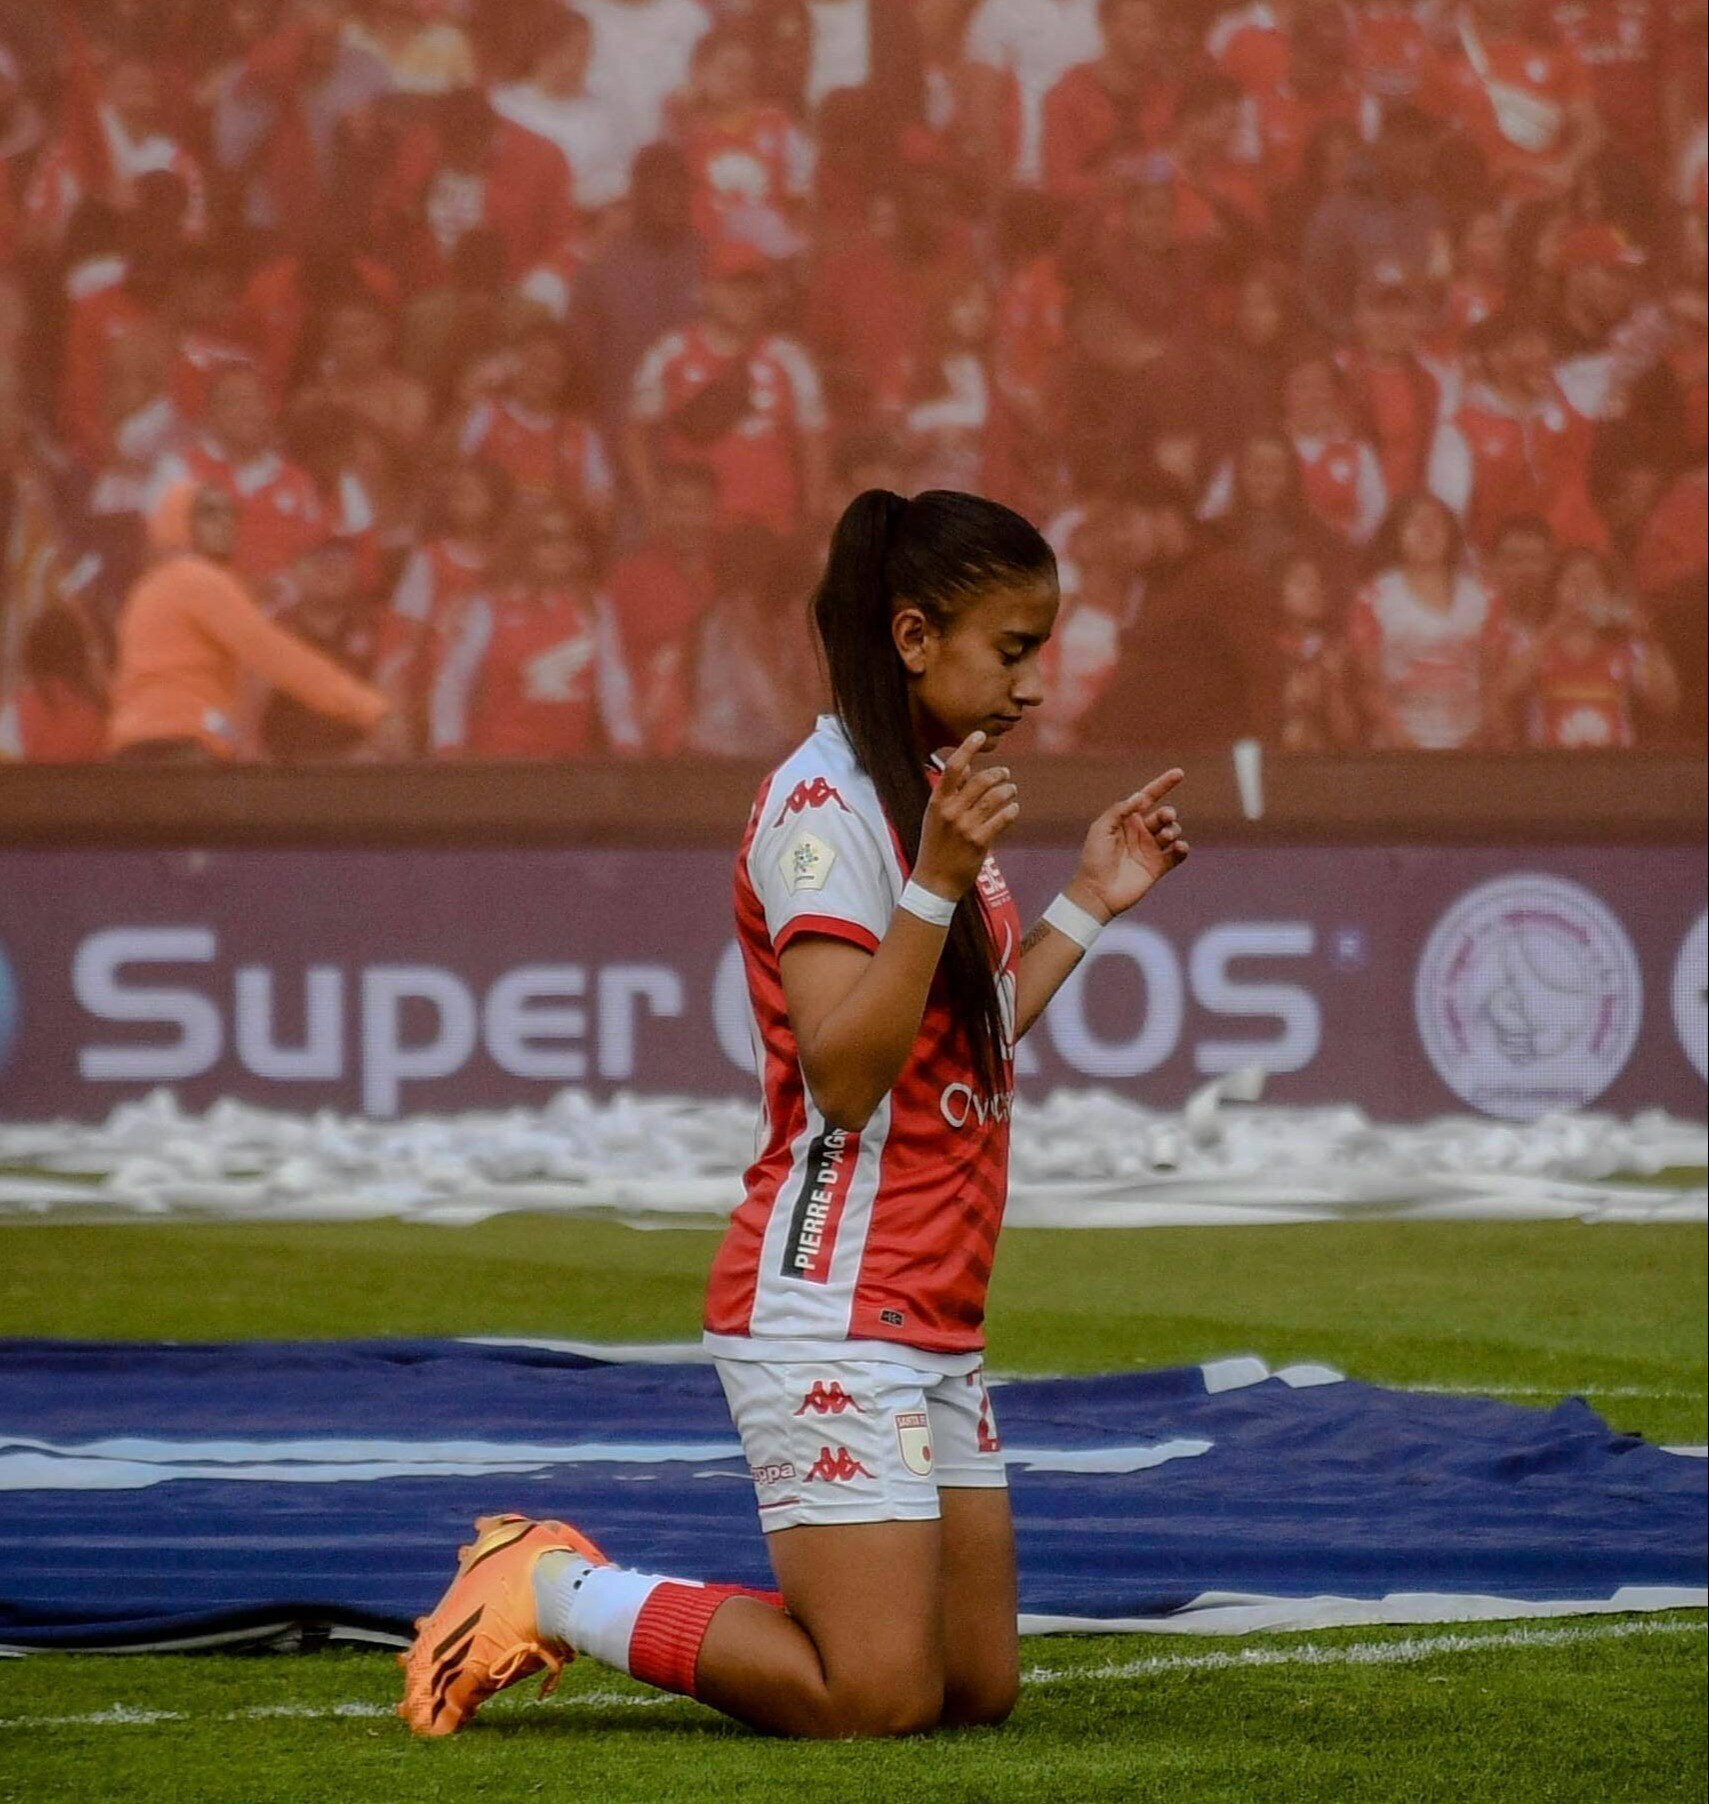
pixel 969 812
pixel 1128 847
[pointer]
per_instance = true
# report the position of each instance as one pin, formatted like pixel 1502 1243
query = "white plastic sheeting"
pixel 1082 1158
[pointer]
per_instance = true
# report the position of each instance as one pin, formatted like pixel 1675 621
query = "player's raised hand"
pixel 969 812
pixel 1128 847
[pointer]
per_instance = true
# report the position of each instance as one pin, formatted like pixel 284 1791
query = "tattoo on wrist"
pixel 1034 936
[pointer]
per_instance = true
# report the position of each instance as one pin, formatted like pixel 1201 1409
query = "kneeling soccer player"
pixel 889 982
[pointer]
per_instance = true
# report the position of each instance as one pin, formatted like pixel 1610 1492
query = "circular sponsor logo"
pixel 1528 996
pixel 8 1010
pixel 1690 1000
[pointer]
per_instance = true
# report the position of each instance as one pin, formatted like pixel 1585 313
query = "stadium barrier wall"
pixel 1412 936
pixel 1393 798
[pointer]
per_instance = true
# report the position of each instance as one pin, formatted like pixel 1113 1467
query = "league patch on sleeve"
pixel 807 863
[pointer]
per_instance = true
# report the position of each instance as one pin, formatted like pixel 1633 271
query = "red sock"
pixel 664 1648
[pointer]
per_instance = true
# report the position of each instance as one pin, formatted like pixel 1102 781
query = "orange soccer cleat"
pixel 483 1634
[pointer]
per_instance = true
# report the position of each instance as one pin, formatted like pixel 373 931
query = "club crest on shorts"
pixel 806 864
pixel 914 1437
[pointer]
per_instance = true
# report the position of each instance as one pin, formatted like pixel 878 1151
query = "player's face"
pixel 981 670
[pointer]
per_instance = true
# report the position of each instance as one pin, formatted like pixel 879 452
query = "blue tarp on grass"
pixel 156 1493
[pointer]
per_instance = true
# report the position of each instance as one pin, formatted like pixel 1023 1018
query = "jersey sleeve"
pixel 817 868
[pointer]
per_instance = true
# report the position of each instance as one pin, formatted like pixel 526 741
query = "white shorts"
pixel 863 1440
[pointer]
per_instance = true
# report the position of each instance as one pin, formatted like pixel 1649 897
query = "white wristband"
pixel 1073 922
pixel 938 910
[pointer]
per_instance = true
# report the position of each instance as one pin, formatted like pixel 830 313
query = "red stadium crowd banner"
pixel 1411 981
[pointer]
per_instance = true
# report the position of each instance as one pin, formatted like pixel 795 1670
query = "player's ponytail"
pixel 935 552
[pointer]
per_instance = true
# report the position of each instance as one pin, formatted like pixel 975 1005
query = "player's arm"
pixel 856 1014
pixel 1128 847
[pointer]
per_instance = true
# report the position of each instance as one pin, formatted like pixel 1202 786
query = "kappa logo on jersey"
pixel 810 795
pixel 812 1237
pixel 828 1400
pixel 836 1468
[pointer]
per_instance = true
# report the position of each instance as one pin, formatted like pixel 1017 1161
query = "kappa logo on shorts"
pixel 836 1468
pixel 810 795
pixel 828 1400
pixel 778 1472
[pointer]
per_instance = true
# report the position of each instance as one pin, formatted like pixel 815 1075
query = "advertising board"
pixel 1410 981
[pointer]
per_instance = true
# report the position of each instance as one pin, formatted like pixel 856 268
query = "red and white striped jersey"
pixel 882 1237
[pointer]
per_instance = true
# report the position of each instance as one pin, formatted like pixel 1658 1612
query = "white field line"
pixel 1585 1389
pixel 1554 1390
pixel 1306 1653
pixel 125 1716
pixel 1358 1653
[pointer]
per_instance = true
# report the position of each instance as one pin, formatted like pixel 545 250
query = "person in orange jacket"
pixel 190 635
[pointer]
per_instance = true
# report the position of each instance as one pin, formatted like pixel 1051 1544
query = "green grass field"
pixel 1599 1710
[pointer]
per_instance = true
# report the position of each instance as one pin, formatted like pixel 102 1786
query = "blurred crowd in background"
pixel 481 378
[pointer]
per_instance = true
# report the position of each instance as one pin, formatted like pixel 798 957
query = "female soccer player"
pixel 889 980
